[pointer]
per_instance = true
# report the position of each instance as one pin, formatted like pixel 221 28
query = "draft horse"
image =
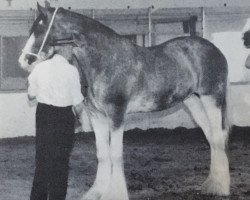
pixel 125 78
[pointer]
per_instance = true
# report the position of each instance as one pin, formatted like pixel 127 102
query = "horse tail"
pixel 226 110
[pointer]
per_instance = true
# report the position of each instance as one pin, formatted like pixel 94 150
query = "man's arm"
pixel 31 98
pixel 32 86
pixel 76 94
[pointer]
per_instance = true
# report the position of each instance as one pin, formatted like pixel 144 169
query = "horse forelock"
pixel 36 24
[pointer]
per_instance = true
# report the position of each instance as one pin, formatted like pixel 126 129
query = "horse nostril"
pixel 30 59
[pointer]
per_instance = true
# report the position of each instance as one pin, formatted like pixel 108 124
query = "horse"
pixel 124 78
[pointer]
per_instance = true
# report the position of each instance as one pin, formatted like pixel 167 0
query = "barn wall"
pixel 225 29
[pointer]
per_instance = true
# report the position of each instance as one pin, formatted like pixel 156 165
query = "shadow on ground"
pixel 160 164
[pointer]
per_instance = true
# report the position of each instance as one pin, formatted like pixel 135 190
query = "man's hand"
pixel 31 98
pixel 77 109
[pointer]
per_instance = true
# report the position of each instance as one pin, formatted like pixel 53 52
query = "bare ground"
pixel 159 164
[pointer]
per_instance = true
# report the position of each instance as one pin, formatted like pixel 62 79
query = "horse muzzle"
pixel 27 61
pixel 23 62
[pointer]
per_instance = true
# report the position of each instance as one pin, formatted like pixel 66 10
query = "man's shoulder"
pixel 59 59
pixel 42 64
pixel 71 69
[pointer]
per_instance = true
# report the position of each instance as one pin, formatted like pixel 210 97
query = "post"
pixel 93 13
pixel 149 26
pixel 192 25
pixel 203 22
pixel 9 2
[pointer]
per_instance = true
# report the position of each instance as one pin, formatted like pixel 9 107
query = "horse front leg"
pixel 101 128
pixel 117 189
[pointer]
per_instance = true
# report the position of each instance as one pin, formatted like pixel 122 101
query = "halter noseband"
pixel 56 42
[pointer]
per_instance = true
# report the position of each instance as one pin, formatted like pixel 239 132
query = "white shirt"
pixel 55 82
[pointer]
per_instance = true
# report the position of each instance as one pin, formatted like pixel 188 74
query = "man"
pixel 56 86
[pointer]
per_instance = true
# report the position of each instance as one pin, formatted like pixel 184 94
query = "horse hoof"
pixel 113 198
pixel 91 196
pixel 215 187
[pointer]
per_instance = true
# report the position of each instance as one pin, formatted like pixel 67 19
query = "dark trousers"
pixel 54 141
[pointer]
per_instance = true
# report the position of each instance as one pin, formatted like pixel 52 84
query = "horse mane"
pixel 89 22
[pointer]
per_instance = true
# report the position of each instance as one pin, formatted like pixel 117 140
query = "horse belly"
pixel 141 104
pixel 158 101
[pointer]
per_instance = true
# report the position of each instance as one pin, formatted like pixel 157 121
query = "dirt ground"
pixel 159 164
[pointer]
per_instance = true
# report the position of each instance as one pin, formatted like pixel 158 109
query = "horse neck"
pixel 94 32
pixel 98 43
pixel 85 25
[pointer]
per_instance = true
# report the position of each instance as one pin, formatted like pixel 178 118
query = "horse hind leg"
pixel 208 116
pixel 218 181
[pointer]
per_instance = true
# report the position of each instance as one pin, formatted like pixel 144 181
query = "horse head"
pixel 49 30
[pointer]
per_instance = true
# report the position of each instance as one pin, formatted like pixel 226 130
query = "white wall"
pixel 235 54
pixel 226 32
pixel 18 117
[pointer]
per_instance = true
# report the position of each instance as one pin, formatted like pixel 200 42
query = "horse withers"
pixel 125 78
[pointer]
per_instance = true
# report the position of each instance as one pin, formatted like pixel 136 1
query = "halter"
pixel 45 37
pixel 56 42
pixel 47 33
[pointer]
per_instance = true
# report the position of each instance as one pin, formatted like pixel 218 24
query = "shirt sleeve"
pixel 32 80
pixel 76 88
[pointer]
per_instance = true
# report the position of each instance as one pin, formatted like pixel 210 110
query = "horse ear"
pixel 41 10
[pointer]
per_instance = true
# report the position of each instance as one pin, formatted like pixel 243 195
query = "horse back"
pixel 176 69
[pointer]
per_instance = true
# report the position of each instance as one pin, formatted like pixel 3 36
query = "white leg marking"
pixel 85 120
pixel 117 189
pixel 218 181
pixel 103 175
pixel 208 117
